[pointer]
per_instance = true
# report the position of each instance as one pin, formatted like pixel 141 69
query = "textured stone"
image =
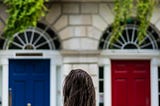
pixel 71 8
pixel 61 23
pixel 88 44
pixel 80 20
pixel 93 69
pixel 71 44
pixel 158 25
pixel 156 15
pixel 74 31
pixel 89 8
pixel 67 68
pixel 53 13
pixel 94 33
pixel 66 33
pixel 80 31
pixel 95 81
pixel 3 13
pixel 107 13
pixel 99 23
pixel 80 66
pixel 80 59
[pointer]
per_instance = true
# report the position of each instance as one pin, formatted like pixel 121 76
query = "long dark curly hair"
pixel 78 89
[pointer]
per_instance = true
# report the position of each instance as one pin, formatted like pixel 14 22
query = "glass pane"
pixel 22 37
pixel 159 100
pixel 101 72
pixel 46 46
pixel 159 72
pixel 101 85
pixel 101 98
pixel 29 34
pixel 1 43
pixel 159 87
pixel 40 41
pixel 101 104
pixel 13 46
pixel 18 41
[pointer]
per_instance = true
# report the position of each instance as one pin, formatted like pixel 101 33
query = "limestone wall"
pixel 79 24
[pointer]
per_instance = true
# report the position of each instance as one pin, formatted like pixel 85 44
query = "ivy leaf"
pixel 22 15
pixel 144 13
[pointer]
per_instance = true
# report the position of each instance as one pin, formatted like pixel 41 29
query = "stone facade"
pixel 80 25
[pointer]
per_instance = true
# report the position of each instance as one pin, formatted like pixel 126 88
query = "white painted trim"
pixel 130 54
pixel 100 57
pixel 107 55
pixel 154 83
pixel 54 56
pixel 52 85
pixel 107 85
pixel 5 74
pixel 59 87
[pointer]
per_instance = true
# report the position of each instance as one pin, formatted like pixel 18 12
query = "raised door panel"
pixel 130 83
pixel 29 81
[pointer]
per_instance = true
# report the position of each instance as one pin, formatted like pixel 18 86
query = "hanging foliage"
pixel 144 14
pixel 123 12
pixel 22 14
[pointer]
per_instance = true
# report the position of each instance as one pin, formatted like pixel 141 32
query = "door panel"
pixel 120 88
pixel 39 87
pixel 19 94
pixel 130 83
pixel 29 81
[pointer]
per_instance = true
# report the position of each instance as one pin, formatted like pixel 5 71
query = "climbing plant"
pixel 144 14
pixel 123 12
pixel 22 15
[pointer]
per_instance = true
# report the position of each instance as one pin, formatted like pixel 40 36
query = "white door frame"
pixel 55 60
pixel 105 59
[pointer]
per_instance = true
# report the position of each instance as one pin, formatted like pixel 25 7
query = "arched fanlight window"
pixel 129 39
pixel 39 38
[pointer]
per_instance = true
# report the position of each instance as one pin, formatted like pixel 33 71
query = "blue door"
pixel 29 82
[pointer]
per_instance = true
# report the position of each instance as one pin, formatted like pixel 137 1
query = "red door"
pixel 130 83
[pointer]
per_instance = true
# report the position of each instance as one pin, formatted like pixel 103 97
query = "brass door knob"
pixel 28 104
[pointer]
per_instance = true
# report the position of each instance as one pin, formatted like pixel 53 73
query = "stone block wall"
pixel 81 24
pixel 78 24
pixel 3 16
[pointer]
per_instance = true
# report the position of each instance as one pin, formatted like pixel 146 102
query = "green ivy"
pixel 22 15
pixel 144 14
pixel 123 12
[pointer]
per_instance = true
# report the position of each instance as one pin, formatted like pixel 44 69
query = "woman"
pixel 78 89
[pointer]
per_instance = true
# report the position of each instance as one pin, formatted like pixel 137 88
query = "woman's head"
pixel 78 89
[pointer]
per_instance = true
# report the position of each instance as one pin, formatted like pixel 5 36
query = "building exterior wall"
pixel 80 25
